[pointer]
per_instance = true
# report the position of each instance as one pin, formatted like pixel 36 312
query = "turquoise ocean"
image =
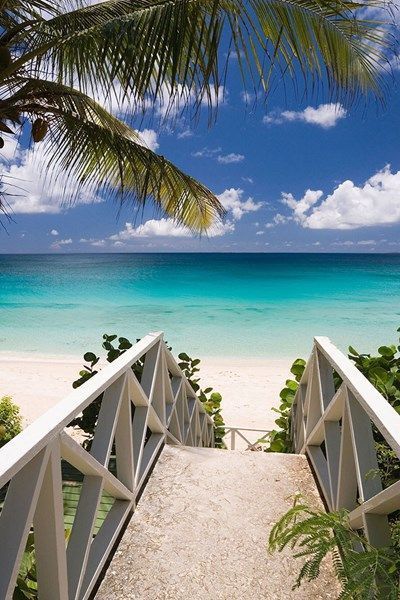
pixel 265 305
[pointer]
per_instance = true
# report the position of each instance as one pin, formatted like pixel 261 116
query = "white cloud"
pixel 34 194
pixel 186 133
pixel 166 228
pixel 278 220
pixel 230 158
pixel 246 97
pixel 206 152
pixel 325 115
pixel 260 232
pixel 350 243
pixel 217 97
pixel 168 106
pixel 377 202
pixel 152 228
pixel 231 200
pixel 248 179
pixel 9 149
pixel 54 232
pixel 215 153
pixel 58 243
pixel 149 138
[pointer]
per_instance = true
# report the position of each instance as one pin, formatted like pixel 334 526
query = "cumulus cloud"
pixel 54 232
pixel 232 200
pixel 165 228
pixel 325 115
pixel 34 194
pixel 278 219
pixel 349 206
pixel 152 228
pixel 149 138
pixel 227 159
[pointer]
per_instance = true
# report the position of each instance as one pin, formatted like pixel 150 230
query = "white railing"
pixel 136 418
pixel 334 429
pixel 242 433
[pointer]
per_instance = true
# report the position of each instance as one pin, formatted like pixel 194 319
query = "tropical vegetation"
pixel 373 573
pixel 10 420
pixel 116 346
pixel 370 574
pixel 63 64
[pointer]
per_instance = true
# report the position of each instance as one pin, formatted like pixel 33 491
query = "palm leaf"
pixel 155 47
pixel 105 155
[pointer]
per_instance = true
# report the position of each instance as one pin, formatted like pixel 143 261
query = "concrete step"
pixel 201 529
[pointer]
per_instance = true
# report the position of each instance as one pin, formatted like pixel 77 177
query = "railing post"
pixel 233 439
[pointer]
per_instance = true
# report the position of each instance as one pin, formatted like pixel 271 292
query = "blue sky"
pixel 295 176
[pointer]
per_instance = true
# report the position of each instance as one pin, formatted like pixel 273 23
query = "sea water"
pixel 265 305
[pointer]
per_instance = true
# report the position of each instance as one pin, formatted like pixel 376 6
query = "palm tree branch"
pixel 106 155
pixel 152 46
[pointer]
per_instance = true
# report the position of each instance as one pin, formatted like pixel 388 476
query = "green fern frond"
pixel 371 573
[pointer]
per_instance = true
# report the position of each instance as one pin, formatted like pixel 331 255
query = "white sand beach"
pixel 250 387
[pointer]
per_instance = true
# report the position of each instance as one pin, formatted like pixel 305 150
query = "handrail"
pixel 136 419
pixel 333 427
pixel 237 431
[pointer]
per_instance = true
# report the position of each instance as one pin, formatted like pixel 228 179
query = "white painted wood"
pixel 35 491
pixel 139 434
pixel 16 519
pixel 103 544
pixel 107 421
pixel 82 532
pixel 384 503
pixel 377 530
pixel 124 445
pixel 327 388
pixel 363 450
pixel 320 466
pixel 29 442
pixel 345 428
pixel 149 453
pixel 72 452
pixel 50 543
pixel 378 409
pixel 332 445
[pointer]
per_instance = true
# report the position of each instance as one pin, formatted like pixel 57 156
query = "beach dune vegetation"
pixel 68 67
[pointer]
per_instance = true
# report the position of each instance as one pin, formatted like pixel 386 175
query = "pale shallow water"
pixel 207 304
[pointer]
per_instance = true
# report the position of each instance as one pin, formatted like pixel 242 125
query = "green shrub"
pixel 115 346
pixel 279 439
pixel 367 575
pixel 10 420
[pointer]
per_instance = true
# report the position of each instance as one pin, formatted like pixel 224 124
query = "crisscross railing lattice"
pixel 334 428
pixel 136 418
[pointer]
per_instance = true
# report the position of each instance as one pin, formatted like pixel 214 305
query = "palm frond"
pixel 104 154
pixel 172 47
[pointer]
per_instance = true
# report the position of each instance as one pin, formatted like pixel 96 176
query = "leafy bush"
pixel 10 420
pixel 367 575
pixel 279 439
pixel 211 400
pixel 115 346
pixel 26 587
pixel 382 370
